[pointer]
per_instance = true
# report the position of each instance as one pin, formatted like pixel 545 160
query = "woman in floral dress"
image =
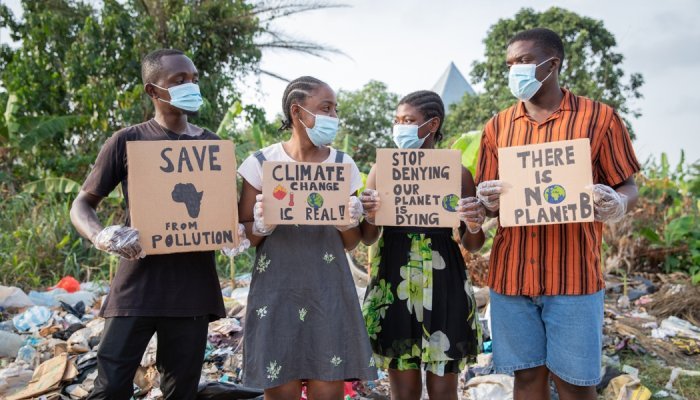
pixel 419 308
pixel 303 321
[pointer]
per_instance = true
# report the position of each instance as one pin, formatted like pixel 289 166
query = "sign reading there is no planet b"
pixel 182 195
pixel 419 187
pixel 306 193
pixel 548 183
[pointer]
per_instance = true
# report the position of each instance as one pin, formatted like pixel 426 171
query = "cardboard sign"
pixel 182 195
pixel 302 193
pixel 419 187
pixel 547 183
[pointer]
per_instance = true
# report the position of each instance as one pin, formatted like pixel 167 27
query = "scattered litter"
pixel 14 297
pixel 10 344
pixel 32 319
pixel 626 387
pixel 68 283
pixel 490 387
pixel 681 327
pixel 630 370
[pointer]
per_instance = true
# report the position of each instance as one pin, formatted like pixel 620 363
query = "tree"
pixel 76 72
pixel 591 67
pixel 366 117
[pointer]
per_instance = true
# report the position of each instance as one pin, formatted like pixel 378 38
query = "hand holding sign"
pixel 370 204
pixel 259 226
pixel 354 212
pixel 489 193
pixel 119 240
pixel 472 213
pixel 608 204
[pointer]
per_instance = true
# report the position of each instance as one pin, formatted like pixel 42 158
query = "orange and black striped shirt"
pixel 561 259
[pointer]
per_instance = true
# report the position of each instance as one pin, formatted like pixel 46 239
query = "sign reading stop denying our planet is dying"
pixel 548 183
pixel 301 193
pixel 182 195
pixel 418 187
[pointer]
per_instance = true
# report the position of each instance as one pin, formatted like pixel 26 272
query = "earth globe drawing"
pixel 555 194
pixel 450 202
pixel 315 201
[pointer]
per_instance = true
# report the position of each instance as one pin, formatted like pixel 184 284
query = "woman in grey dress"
pixel 303 319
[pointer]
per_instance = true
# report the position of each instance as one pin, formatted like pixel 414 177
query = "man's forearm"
pixel 83 215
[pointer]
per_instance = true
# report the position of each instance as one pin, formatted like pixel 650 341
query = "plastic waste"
pixel 68 283
pixel 7 326
pixel 626 387
pixel 490 387
pixel 14 377
pixel 10 344
pixel 681 327
pixel 14 297
pixel 88 298
pixel 46 299
pixel 32 319
pixel 27 354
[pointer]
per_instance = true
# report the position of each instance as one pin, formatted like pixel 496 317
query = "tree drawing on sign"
pixel 188 194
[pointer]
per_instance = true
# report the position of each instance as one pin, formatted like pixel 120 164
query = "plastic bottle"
pixel 27 354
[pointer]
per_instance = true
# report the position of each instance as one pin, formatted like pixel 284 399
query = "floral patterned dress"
pixel 419 308
pixel 303 319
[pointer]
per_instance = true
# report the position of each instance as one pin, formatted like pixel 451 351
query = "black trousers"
pixel 181 346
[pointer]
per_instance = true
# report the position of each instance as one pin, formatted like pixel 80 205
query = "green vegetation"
pixel 669 217
pixel 654 376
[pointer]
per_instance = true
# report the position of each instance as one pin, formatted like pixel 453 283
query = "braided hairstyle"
pixel 295 93
pixel 429 104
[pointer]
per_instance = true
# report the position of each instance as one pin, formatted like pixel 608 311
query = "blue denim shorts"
pixel 565 333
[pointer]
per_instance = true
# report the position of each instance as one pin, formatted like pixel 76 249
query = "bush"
pixel 661 234
pixel 38 244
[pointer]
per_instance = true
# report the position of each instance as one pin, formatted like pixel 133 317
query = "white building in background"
pixel 452 86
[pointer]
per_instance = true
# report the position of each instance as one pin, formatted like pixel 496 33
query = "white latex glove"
pixel 259 227
pixel 472 213
pixel 354 213
pixel 489 193
pixel 243 243
pixel 120 240
pixel 608 205
pixel 370 204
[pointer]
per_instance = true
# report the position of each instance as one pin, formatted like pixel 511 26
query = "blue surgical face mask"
pixel 406 136
pixel 522 81
pixel 324 130
pixel 185 97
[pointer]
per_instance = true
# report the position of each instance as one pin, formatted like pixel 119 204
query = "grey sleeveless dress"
pixel 303 319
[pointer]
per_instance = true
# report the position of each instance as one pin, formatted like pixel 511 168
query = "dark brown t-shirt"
pixel 168 285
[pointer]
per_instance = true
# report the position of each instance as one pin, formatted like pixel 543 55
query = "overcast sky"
pixel 408 44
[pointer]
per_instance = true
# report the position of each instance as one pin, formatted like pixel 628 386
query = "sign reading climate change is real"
pixel 302 193
pixel 182 195
pixel 548 183
pixel 418 187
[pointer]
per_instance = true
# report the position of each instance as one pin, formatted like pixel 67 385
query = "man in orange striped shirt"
pixel 546 281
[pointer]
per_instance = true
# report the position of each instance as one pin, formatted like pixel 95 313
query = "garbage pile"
pixel 49 341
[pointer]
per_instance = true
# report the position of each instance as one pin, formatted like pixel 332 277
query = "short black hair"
pixel 429 104
pixel 151 63
pixel 545 38
pixel 296 92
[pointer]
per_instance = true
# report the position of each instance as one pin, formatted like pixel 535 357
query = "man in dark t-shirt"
pixel 173 295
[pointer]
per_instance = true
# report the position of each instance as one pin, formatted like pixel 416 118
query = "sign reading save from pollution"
pixel 182 195
pixel 418 187
pixel 548 183
pixel 302 193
